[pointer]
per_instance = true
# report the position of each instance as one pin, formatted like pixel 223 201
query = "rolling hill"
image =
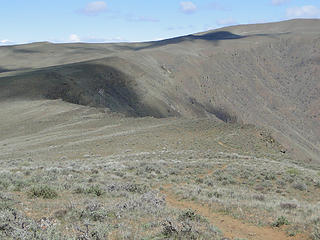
pixel 263 74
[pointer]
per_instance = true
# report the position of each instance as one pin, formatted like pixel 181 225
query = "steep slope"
pixel 264 74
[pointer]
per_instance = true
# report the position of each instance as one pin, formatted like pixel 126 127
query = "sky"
pixel 24 21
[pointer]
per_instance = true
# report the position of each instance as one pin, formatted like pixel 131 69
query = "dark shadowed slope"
pixel 264 74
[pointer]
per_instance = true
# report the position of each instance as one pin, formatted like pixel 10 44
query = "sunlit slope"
pixel 265 74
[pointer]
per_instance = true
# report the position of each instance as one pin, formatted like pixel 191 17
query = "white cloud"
pixel 226 22
pixel 279 2
pixel 6 42
pixel 188 7
pixel 93 39
pixel 74 38
pixel 94 8
pixel 307 11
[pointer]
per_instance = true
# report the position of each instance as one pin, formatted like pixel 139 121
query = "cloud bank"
pixel 5 42
pixel 74 38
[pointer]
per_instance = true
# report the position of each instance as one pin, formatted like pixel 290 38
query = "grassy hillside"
pixel 75 172
pixel 264 74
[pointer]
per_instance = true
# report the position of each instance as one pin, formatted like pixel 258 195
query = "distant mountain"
pixel 263 74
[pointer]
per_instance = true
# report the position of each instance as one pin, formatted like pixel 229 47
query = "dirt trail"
pixel 231 228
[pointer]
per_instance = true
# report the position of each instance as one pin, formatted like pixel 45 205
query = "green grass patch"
pixel 293 171
pixel 280 222
pixel 43 191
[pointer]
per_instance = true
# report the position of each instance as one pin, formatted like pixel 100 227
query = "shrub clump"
pixel 299 186
pixel 316 234
pixel 14 225
pixel 43 191
pixel 189 225
pixel 190 215
pixel 96 190
pixel 288 205
pixel 280 222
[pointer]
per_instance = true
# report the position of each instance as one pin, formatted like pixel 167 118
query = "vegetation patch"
pixel 280 222
pixel 43 191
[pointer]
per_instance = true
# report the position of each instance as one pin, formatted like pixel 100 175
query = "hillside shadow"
pixel 89 84
pixel 212 37
pixel 2 70
pixel 95 85
pixel 24 51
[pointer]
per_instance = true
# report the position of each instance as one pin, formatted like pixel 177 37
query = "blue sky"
pixel 25 21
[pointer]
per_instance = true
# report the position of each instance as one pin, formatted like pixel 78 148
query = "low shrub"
pixel 259 197
pixel 299 186
pixel 43 191
pixel 96 190
pixel 189 215
pixel 316 233
pixel 288 205
pixel 280 222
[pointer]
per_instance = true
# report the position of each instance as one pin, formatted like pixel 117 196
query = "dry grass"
pixel 116 184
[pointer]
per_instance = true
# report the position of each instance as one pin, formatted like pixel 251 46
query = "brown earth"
pixel 232 228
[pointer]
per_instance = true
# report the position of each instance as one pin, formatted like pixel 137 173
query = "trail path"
pixel 230 227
